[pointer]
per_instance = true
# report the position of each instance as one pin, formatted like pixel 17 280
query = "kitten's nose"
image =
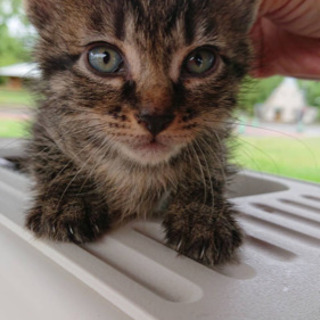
pixel 155 123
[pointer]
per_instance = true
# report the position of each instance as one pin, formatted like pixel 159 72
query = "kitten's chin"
pixel 152 153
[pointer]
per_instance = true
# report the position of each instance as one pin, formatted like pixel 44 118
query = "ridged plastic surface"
pixel 131 274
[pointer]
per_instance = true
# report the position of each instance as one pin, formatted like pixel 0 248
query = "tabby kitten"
pixel 133 124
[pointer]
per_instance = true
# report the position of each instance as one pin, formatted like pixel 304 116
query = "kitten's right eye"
pixel 105 59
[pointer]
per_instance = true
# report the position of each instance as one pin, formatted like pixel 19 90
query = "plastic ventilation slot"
pixel 287 214
pixel 269 249
pixel 241 271
pixel 151 230
pixel 300 205
pixel 282 230
pixel 182 291
pixel 154 232
pixel 313 198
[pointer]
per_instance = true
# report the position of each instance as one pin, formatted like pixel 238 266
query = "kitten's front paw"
pixel 207 237
pixel 71 219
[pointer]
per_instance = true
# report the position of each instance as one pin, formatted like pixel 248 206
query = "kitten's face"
pixel 144 77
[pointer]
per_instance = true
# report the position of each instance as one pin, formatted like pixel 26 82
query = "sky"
pixel 15 25
pixel 17 28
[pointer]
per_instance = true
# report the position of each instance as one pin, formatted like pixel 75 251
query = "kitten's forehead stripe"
pixel 139 10
pixel 119 20
pixel 96 19
pixel 189 24
pixel 210 26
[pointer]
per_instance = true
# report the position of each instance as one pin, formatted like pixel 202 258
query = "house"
pixel 18 73
pixel 287 104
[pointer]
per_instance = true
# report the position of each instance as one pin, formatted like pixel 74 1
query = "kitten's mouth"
pixel 152 146
pixel 150 152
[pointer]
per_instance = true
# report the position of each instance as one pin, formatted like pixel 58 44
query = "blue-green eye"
pixel 105 59
pixel 200 61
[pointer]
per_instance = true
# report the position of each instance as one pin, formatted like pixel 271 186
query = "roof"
pixel 21 70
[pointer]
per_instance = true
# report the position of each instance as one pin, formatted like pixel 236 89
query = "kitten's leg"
pixel 67 217
pixel 203 232
pixel 66 206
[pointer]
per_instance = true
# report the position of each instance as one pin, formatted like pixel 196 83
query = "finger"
pixel 296 16
pixel 280 52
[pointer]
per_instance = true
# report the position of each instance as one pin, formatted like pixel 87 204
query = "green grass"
pixel 290 157
pixel 11 98
pixel 13 128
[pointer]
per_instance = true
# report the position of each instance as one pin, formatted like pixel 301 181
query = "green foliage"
pixel 254 91
pixel 312 91
pixel 9 9
pixel 13 48
pixel 2 81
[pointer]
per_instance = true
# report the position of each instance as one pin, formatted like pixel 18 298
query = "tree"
pixel 312 92
pixel 254 92
pixel 14 47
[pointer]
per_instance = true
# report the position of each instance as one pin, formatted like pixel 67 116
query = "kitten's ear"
pixel 40 12
pixel 247 11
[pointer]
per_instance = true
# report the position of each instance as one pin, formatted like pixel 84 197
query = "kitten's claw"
pixel 209 243
pixel 74 221
pixel 96 228
pixel 74 235
pixel 179 245
pixel 71 230
pixel 202 253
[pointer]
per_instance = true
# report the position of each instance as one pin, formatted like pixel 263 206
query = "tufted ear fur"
pixel 40 12
pixel 246 11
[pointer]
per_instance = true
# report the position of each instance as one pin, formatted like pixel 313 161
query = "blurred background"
pixel 277 122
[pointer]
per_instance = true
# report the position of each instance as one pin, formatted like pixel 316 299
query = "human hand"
pixel 286 39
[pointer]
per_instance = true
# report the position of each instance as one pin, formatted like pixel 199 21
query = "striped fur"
pixel 87 157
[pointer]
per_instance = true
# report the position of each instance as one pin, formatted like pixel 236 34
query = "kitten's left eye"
pixel 200 61
pixel 105 59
